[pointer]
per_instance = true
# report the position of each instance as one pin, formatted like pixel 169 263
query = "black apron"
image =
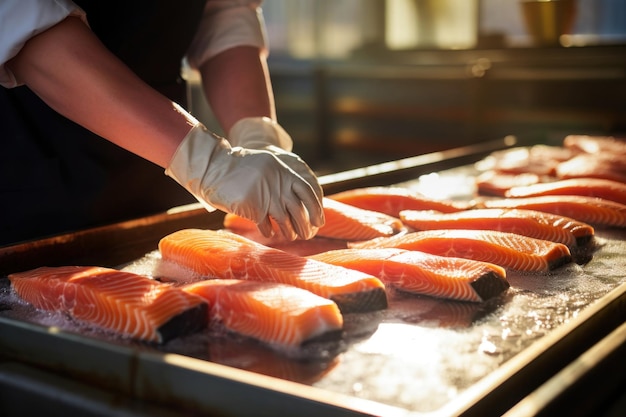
pixel 56 176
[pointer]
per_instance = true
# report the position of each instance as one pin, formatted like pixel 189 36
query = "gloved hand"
pixel 253 184
pixel 264 133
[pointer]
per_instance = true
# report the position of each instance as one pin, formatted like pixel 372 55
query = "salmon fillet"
pixel 531 223
pixel 603 166
pixel 347 222
pixel 541 160
pixel 424 273
pixel 595 144
pixel 498 183
pixel 392 200
pixel 129 304
pixel 343 221
pixel 508 250
pixel 592 210
pixel 226 255
pixel 277 314
pixel 589 187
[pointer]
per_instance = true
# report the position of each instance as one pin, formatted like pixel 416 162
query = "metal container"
pixel 421 356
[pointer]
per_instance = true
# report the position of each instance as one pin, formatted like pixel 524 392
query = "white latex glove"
pixel 253 184
pixel 264 133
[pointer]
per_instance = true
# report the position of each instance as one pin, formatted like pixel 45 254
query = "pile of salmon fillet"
pixel 536 209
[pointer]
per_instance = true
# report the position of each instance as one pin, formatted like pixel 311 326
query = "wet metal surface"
pixel 421 355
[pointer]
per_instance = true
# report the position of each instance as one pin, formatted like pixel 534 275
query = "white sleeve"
pixel 20 20
pixel 224 25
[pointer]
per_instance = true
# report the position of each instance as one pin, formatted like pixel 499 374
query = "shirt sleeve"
pixel 226 24
pixel 20 20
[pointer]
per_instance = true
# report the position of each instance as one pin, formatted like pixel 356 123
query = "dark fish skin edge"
pixel 330 336
pixel 555 263
pixel 361 302
pixel 189 321
pixel 584 240
pixel 489 285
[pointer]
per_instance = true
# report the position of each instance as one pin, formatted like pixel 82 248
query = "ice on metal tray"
pixel 419 354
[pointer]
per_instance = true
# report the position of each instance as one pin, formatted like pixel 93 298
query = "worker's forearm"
pixel 76 75
pixel 236 84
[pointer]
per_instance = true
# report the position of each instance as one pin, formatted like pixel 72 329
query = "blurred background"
pixel 359 82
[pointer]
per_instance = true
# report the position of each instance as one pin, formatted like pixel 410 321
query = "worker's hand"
pixel 253 184
pixel 264 133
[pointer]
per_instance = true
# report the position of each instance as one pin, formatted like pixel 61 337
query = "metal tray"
pixel 422 356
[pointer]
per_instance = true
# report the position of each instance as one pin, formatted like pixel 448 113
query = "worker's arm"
pixel 230 53
pixel 68 68
pixel 74 73
pixel 237 85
